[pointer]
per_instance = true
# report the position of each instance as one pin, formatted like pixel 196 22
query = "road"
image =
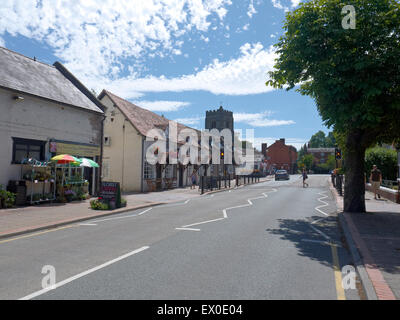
pixel 273 240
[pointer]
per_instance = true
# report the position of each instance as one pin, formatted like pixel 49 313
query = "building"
pixel 280 156
pixel 320 155
pixel 220 119
pixel 45 111
pixel 124 157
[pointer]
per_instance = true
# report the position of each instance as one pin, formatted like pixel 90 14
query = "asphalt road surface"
pixel 273 240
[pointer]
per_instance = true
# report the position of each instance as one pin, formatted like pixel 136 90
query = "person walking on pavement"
pixel 194 180
pixel 305 177
pixel 376 180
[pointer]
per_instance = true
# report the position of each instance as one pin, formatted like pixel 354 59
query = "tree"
pixel 328 166
pixel 352 74
pixel 306 161
pixel 385 159
pixel 330 141
pixel 318 140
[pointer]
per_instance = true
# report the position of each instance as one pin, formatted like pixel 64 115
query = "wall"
pixel 39 119
pixel 283 156
pixel 122 159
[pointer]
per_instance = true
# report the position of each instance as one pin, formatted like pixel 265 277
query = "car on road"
pixel 281 175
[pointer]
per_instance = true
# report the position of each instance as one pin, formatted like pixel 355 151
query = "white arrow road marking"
pixel 82 274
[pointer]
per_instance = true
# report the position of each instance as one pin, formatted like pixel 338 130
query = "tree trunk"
pixel 354 189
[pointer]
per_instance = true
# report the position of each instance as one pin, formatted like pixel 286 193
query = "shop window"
pixel 26 149
pixel 148 171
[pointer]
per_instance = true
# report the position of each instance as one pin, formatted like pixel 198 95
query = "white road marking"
pixel 328 243
pixel 124 217
pixel 187 229
pixel 320 232
pixel 224 211
pixel 203 222
pixel 82 274
pixel 325 204
pixel 88 224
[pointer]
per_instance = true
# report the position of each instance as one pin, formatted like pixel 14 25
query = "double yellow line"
pixel 36 234
pixel 338 274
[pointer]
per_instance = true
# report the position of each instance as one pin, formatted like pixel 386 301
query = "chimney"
pixel 282 140
pixel 264 147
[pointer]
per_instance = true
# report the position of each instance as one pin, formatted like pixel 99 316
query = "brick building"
pixel 280 156
pixel 320 155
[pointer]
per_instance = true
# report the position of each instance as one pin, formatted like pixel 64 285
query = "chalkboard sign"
pixel 111 192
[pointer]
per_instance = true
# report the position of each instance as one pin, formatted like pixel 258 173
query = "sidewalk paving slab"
pixel 374 241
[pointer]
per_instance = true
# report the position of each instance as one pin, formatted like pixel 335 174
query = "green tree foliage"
pixel 352 74
pixel 385 159
pixel 328 166
pixel 305 161
pixel 320 140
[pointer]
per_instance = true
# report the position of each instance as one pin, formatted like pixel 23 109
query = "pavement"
pixel 272 240
pixel 375 238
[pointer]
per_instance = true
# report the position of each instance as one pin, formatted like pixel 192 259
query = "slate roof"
pixel 55 83
pixel 142 119
pixel 318 150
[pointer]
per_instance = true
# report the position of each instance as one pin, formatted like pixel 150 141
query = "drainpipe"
pixel 123 156
pixel 99 178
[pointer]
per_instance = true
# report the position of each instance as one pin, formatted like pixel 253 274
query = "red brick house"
pixel 280 156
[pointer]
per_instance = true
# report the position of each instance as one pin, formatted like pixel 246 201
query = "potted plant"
pixel 69 195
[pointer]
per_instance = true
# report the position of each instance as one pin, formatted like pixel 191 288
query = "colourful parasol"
pixel 88 163
pixel 65 159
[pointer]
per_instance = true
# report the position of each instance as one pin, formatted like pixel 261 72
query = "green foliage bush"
pixel 98 205
pixel 7 199
pixel 385 159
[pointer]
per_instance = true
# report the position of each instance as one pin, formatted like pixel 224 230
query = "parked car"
pixel 281 175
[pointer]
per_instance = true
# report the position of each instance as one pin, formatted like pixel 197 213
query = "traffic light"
pixel 222 155
pixel 338 154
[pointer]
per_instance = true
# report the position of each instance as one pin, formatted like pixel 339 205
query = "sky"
pixel 178 58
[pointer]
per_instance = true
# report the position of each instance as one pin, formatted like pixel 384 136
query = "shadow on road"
pixel 306 239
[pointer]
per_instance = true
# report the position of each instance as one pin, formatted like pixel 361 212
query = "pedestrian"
pixel 305 177
pixel 376 180
pixel 194 180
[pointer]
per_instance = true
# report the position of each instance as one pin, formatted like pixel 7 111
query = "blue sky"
pixel 178 58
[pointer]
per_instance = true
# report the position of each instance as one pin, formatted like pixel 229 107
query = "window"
pixel 170 171
pixel 148 171
pixel 26 149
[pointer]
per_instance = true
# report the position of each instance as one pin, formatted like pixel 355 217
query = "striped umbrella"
pixel 65 159
pixel 88 163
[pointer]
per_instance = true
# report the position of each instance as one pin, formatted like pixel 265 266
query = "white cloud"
pixel 295 3
pixel 277 4
pixel 244 75
pixel 94 37
pixel 162 106
pixel 190 121
pixel 251 10
pixel 246 26
pixel 261 119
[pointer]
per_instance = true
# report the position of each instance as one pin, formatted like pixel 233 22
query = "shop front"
pixel 89 176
